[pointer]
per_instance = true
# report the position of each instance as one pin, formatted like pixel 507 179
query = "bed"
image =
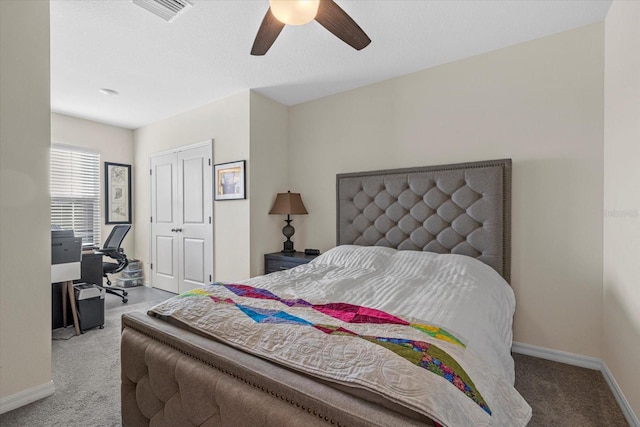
pixel 406 322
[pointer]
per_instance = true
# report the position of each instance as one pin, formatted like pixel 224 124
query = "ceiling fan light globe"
pixel 294 12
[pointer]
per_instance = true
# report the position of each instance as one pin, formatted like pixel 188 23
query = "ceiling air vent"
pixel 168 10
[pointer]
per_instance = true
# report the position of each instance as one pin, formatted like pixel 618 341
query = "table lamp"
pixel 288 204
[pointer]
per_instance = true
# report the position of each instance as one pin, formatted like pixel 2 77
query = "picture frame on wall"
pixel 230 181
pixel 117 193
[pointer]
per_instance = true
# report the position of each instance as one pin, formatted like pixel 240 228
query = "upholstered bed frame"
pixel 462 209
pixel 172 376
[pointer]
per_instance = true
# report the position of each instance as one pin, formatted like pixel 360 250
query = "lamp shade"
pixel 288 204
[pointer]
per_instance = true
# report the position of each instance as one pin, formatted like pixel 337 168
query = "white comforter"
pixel 461 294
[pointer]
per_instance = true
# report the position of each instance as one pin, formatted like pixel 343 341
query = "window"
pixel 75 191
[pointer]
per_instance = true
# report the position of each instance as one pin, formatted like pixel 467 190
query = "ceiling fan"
pixel 299 12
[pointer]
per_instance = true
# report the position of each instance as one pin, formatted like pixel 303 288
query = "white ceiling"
pixel 161 69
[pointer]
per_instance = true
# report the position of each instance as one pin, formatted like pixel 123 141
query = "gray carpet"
pixel 565 395
pixel 86 373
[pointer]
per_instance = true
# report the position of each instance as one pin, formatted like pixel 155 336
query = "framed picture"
pixel 230 181
pixel 117 193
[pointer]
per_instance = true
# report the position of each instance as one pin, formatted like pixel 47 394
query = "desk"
pixel 90 272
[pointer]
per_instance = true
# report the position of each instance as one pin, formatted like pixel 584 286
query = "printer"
pixel 66 255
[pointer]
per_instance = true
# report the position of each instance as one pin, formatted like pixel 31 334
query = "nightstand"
pixel 279 261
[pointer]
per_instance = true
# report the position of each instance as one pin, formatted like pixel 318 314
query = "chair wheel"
pixel 125 293
pixel 124 300
pixel 101 327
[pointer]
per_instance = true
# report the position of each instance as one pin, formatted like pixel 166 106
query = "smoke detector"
pixel 169 10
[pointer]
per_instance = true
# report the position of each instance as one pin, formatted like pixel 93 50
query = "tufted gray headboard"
pixel 462 208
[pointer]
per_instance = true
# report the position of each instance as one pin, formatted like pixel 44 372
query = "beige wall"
pixel 539 103
pixel 114 144
pixel 622 198
pixel 226 122
pixel 268 175
pixel 25 242
pixel 246 126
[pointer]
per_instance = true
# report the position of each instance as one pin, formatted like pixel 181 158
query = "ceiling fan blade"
pixel 267 34
pixel 333 18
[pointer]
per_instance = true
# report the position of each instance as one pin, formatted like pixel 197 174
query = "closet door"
pixel 181 221
pixel 164 222
pixel 195 237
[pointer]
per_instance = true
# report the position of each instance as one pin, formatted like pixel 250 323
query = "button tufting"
pixel 434 210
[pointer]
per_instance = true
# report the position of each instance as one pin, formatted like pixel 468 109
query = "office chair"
pixel 112 250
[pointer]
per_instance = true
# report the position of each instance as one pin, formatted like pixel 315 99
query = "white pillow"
pixel 366 257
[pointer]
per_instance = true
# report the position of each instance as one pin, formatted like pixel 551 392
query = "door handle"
pixel 179 230
pixel 176 230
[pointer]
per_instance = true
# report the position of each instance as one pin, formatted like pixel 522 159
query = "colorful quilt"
pixel 421 366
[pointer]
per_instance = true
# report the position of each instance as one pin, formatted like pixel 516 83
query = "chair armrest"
pixel 109 249
pixel 115 253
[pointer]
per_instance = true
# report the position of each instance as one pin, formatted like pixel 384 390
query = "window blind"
pixel 75 192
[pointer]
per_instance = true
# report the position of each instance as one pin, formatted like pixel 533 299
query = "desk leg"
pixel 72 299
pixel 64 304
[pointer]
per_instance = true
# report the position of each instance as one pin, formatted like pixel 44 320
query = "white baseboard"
pixel 25 397
pixel 632 419
pixel 558 356
pixel 583 362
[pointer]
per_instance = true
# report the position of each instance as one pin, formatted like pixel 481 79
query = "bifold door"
pixel 181 219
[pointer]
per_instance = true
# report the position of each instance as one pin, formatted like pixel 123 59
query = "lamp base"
pixel 288 231
pixel 288 247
